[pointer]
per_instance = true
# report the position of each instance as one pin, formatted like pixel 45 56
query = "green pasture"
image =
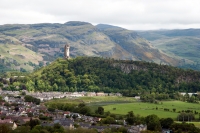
pixel 125 104
pixel 96 100
pixel 114 99
pixel 144 109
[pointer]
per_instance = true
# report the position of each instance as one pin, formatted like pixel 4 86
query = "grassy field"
pixel 144 109
pixel 107 99
pixel 97 100
pixel 125 104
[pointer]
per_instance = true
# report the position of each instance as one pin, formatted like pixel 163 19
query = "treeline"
pixel 34 127
pixel 77 108
pixel 98 74
pixel 28 98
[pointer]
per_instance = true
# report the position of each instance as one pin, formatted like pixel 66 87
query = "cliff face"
pixel 127 68
pixel 48 40
pixel 182 77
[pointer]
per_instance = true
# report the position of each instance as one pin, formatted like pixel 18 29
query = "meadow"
pixel 95 101
pixel 144 109
pixel 122 105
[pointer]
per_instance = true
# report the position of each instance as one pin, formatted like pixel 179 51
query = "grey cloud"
pixel 131 14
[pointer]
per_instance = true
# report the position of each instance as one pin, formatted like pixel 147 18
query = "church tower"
pixel 66 51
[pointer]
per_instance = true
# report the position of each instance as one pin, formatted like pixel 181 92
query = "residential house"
pixel 137 128
pixel 137 97
pixel 65 122
pixel 91 94
pixel 84 125
pixel 100 129
pixel 100 94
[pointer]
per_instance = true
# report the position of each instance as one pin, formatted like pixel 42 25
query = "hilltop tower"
pixel 66 51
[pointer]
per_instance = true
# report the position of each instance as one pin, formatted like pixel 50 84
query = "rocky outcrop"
pixel 127 68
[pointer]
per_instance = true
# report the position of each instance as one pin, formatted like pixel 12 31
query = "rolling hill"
pixel 183 44
pixel 39 44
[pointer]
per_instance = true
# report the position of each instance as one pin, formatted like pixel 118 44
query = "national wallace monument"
pixel 66 51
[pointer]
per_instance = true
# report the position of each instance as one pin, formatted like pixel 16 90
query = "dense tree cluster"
pixel 74 107
pixel 28 98
pixel 184 128
pixel 151 81
pixel 36 128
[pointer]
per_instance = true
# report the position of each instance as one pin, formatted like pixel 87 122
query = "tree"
pixel 192 99
pixel 186 116
pixel 58 128
pixel 23 93
pixel 166 122
pixel 16 109
pixel 81 105
pixel 100 110
pixel 184 127
pixel 130 118
pixel 4 128
pixel 30 85
pixel 51 109
pixel 29 98
pixel 33 123
pixel 153 123
pixel 41 63
pixel 22 129
pixel 55 87
pixel 35 131
pixel 108 120
pixel 85 110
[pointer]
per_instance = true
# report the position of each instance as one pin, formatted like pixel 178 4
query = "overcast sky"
pixel 129 14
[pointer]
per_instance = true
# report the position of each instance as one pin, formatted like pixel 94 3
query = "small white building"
pixel 137 97
pixel 190 94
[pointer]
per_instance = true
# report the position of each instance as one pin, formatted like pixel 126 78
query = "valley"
pixel 117 75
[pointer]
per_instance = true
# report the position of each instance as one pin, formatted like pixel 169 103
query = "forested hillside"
pixel 109 75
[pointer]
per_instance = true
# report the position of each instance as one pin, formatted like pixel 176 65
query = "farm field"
pixel 144 109
pixel 95 100
pixel 103 99
pixel 125 104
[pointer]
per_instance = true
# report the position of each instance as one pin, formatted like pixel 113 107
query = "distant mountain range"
pixel 182 44
pixel 27 46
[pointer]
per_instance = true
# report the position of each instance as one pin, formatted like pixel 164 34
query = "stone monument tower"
pixel 66 51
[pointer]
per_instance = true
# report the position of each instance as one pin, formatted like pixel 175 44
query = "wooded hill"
pixel 99 74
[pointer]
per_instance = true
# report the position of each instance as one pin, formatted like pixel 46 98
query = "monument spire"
pixel 66 51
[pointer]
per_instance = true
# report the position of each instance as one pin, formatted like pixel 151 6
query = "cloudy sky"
pixel 130 14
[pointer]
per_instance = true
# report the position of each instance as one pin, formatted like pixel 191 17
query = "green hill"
pixel 109 75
